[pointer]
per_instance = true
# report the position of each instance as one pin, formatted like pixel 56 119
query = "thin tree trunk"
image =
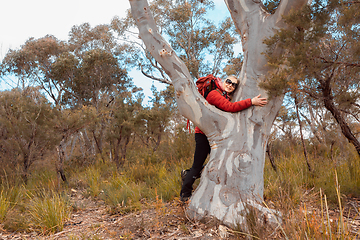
pixel 124 149
pixel 61 156
pixel 302 136
pixel 27 160
pixel 98 146
pixel 158 139
pixel 271 157
pixel 26 165
pixel 117 159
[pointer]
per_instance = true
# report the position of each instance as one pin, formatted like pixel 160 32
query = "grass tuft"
pixel 121 195
pixel 4 205
pixel 48 211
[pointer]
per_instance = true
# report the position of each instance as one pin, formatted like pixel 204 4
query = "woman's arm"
pixel 215 98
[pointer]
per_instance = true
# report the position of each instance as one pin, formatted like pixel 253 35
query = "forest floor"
pixel 92 220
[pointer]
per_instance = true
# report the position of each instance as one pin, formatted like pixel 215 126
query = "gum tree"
pixel 232 181
pixel 83 71
pixel 26 126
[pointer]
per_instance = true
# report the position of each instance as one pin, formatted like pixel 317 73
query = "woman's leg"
pixel 202 149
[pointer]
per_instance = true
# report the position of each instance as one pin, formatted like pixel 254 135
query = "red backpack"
pixel 207 84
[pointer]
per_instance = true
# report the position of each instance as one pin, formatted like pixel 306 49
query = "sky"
pixel 22 19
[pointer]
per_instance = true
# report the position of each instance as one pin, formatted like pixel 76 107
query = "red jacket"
pixel 218 100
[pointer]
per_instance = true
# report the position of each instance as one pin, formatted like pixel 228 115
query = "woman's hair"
pixel 233 76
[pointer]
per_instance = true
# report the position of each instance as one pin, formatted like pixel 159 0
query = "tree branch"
pixel 162 80
pixel 346 64
pixel 350 113
pixel 239 10
pixel 190 103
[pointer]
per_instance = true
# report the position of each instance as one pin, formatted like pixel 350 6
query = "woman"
pixel 220 98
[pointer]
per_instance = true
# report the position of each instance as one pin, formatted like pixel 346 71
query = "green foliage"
pixel 317 65
pixel 31 63
pixel 347 174
pixel 146 175
pixel 82 76
pixel 97 73
pixel 307 42
pixel 124 121
pixel 282 187
pixel 154 122
pixel 73 73
pixel 26 123
pixel 169 185
pixel 43 177
pixel 154 177
pixel 184 144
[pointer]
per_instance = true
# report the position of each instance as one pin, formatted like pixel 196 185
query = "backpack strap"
pixel 188 126
pixel 211 86
pixel 223 93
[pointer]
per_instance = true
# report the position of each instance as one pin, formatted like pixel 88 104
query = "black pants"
pixel 202 149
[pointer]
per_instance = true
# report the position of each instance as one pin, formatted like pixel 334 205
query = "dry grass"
pixel 314 205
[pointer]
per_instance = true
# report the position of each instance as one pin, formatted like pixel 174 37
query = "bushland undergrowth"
pixel 304 198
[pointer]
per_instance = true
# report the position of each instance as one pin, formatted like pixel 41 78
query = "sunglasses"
pixel 228 81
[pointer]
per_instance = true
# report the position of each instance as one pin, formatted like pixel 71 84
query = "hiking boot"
pixel 184 199
pixel 183 174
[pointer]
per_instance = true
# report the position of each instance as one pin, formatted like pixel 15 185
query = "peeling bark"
pixel 232 181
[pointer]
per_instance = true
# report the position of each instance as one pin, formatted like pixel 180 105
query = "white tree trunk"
pixel 232 181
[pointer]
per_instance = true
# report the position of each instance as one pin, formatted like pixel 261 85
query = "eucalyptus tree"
pixel 73 73
pixel 322 60
pixel 124 112
pixel 158 118
pixel 83 71
pixel 32 65
pixel 232 181
pixel 26 125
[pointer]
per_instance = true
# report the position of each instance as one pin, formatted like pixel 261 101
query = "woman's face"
pixel 230 84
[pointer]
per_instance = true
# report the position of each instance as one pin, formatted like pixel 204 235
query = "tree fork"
pixel 232 182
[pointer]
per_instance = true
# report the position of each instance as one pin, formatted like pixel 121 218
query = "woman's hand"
pixel 257 101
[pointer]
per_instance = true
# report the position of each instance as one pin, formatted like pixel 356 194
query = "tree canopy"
pixel 321 61
pixel 204 45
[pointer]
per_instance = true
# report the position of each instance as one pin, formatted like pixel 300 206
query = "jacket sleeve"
pixel 219 101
